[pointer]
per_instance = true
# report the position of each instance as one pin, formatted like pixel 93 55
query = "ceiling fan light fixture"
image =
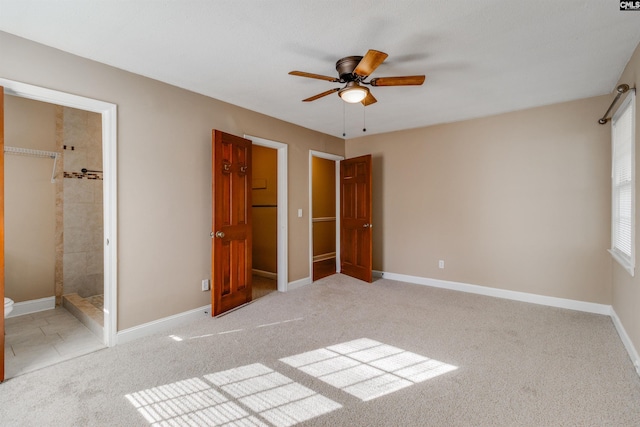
pixel 353 93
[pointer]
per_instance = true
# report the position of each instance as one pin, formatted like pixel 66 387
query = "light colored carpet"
pixel 262 286
pixel 345 353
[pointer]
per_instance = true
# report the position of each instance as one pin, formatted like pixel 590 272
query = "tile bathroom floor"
pixel 37 340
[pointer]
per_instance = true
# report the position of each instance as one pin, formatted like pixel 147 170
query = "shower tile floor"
pixel 37 340
pixel 97 301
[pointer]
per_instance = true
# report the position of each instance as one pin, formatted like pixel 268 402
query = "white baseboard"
pixel 161 325
pixel 299 283
pixel 263 273
pixel 32 306
pixel 570 304
pixel 633 353
pixel 588 307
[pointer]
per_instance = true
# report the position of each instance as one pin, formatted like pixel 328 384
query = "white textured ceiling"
pixel 481 57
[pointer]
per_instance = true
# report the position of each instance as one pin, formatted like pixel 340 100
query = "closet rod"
pixel 621 89
pixel 30 152
pixel 35 153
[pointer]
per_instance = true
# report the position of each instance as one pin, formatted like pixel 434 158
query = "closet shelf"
pixel 35 153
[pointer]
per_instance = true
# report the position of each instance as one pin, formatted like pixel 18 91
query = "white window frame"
pixel 626 260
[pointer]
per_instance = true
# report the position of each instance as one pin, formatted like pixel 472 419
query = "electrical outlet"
pixel 441 263
pixel 205 285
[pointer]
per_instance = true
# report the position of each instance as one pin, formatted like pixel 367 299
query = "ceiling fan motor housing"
pixel 345 67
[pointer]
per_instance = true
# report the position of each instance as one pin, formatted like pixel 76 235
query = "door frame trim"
pixel 283 209
pixel 109 161
pixel 336 159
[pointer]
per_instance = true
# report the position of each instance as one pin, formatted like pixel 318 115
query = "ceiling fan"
pixel 354 71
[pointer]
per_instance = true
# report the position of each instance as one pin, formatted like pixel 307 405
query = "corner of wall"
pixel 626 341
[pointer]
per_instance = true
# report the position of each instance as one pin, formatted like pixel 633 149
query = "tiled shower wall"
pixel 80 249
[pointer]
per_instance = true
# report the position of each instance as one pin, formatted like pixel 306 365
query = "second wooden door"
pixel 355 218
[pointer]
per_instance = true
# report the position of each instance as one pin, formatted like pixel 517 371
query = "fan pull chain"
pixel 364 118
pixel 344 121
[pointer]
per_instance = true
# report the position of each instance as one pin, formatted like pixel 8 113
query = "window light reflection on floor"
pixel 256 395
pixel 187 402
pixel 272 395
pixel 252 395
pixel 233 331
pixel 366 368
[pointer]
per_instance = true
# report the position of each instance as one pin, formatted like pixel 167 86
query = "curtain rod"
pixel 621 89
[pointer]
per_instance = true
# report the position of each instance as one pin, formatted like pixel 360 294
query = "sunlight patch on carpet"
pixel 233 331
pixel 366 368
pixel 256 395
pixel 187 402
pixel 275 397
pixel 252 395
pixel 297 319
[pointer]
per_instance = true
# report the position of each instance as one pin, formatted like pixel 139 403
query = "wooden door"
pixel 355 218
pixel 2 231
pixel 231 232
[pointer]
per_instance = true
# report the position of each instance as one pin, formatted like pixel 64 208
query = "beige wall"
pixel 29 201
pixel 324 187
pixel 626 289
pixel 519 201
pixel 265 211
pixel 164 174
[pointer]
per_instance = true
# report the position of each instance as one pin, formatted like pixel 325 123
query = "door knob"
pixel 219 234
pixel 368 225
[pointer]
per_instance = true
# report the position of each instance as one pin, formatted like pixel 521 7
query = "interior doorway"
pixel 54 210
pixel 264 213
pixel 324 223
pixel 107 113
pixel 270 152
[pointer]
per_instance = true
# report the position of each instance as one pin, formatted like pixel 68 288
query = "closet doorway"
pixel 324 227
pixel 264 213
pixel 269 215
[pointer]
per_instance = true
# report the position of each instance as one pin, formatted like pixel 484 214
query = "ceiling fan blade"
pixel 313 76
pixel 398 81
pixel 320 95
pixel 370 62
pixel 370 99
